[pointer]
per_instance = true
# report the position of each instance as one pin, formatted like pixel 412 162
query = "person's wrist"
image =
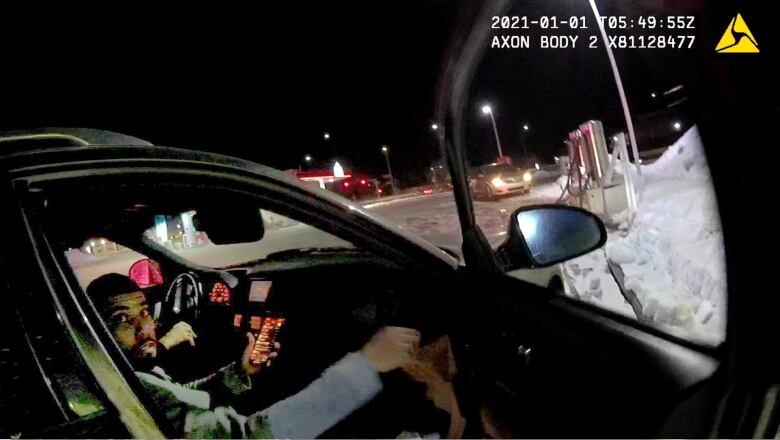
pixel 165 342
pixel 367 355
pixel 364 352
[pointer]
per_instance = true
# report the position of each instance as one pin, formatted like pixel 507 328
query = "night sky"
pixel 265 84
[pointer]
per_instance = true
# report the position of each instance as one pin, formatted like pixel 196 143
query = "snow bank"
pixel 588 279
pixel 673 257
pixel 684 159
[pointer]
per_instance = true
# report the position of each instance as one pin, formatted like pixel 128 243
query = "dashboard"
pixel 251 312
pixel 318 311
pixel 315 307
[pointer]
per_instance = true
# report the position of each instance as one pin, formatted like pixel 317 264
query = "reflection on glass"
pixel 557 234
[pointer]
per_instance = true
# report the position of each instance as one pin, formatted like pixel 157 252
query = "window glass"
pixel 179 234
pixel 194 335
pixel 545 124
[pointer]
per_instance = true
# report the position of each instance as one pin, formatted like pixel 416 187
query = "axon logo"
pixel 737 38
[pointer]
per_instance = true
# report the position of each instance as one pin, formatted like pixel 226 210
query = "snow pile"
pixel 588 279
pixel 673 257
pixel 684 159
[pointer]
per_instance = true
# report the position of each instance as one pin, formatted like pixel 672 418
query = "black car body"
pixel 520 350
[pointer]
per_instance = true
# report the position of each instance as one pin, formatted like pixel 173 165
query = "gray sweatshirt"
pixel 341 389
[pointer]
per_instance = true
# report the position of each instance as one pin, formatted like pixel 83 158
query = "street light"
pixel 486 109
pixel 386 152
pixel 434 127
pixel 522 142
pixel 306 159
pixel 653 95
pixel 677 126
pixel 326 136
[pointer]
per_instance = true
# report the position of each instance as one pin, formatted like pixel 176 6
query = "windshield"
pixel 180 235
pixel 500 169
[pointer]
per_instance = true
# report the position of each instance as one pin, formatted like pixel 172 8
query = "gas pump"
pixel 592 181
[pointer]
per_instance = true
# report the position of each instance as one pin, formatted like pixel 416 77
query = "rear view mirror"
pixel 545 235
pixel 146 273
pixel 230 225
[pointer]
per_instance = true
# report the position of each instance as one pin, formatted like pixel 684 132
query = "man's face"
pixel 132 325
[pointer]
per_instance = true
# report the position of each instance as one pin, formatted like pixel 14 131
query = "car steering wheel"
pixel 182 301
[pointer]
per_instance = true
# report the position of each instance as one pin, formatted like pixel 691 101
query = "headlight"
pixel 497 182
pixel 527 177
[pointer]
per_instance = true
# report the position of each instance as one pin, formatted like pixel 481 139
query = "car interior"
pixel 527 360
pixel 318 303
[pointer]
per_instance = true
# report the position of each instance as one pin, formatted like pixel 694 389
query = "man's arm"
pixel 342 388
pixel 234 378
pixel 224 385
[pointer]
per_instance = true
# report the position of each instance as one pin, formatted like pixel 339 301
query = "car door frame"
pixel 103 355
pixel 455 79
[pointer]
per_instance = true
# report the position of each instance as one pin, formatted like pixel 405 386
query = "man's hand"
pixel 181 332
pixel 440 392
pixel 247 365
pixel 391 347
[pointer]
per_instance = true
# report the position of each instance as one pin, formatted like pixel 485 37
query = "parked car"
pixel 433 188
pixel 495 180
pixel 356 188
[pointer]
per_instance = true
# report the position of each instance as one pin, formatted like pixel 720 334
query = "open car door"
pixel 535 363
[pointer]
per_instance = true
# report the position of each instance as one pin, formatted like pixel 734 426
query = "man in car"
pixel 200 409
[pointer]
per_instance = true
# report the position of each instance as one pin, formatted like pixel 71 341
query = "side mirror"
pixel 544 235
pixel 146 273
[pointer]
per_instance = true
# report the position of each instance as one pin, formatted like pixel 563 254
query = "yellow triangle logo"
pixel 737 38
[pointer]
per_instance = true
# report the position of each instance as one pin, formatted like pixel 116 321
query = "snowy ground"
pixel 435 217
pixel 672 255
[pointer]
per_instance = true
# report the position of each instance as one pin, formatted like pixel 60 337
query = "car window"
pixel 99 256
pixel 128 256
pixel 557 113
pixel 414 194
pixel 190 333
pixel 501 169
pixel 179 234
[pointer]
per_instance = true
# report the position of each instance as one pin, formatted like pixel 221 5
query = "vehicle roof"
pixel 63 136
